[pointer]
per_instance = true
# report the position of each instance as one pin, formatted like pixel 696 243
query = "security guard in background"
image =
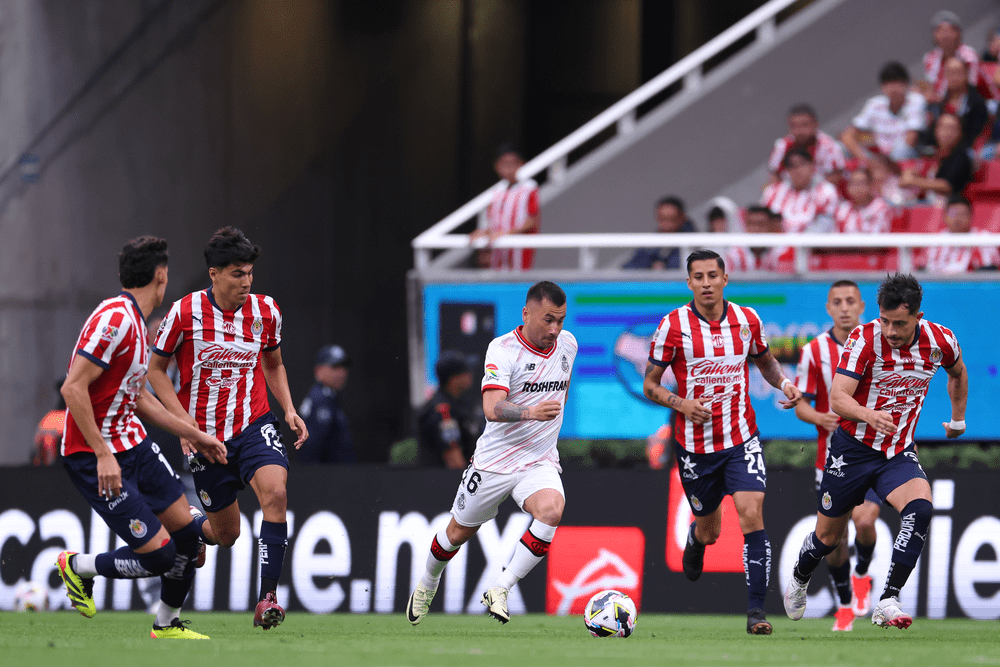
pixel 329 432
pixel 447 428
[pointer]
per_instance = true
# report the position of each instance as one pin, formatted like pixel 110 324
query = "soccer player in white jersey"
pixel 878 391
pixel 227 342
pixel 817 365
pixel 707 343
pixel 524 390
pixel 111 460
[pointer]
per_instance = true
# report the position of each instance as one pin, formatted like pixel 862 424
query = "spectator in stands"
pixel 329 430
pixel 803 206
pixel 863 212
pixel 885 181
pixel 670 219
pixel 893 119
pixel 960 99
pixel 447 429
pixel 992 50
pixel 958 220
pixel 49 434
pixel 513 210
pixel 804 134
pixel 947 27
pixel 718 223
pixel 760 220
pixel 950 168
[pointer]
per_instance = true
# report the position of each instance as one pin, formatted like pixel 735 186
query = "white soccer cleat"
pixel 795 598
pixel 888 613
pixel 419 604
pixel 495 601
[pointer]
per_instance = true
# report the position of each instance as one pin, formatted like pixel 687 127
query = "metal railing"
pixel 621 116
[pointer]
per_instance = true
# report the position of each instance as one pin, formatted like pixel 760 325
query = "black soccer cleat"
pixel 694 556
pixel 757 622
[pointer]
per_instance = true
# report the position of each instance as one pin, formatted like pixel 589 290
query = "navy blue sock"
pixel 123 563
pixel 176 582
pixel 841 577
pixel 916 518
pixel 198 522
pixel 271 547
pixel 812 552
pixel 757 566
pixel 863 553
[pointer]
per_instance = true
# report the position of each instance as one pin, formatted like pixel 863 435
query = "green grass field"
pixel 65 638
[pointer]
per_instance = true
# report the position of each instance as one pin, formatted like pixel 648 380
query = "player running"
pixel 817 365
pixel 111 460
pixel 707 343
pixel 878 391
pixel 227 345
pixel 524 390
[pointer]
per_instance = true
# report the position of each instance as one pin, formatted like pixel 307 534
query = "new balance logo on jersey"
pixel 552 385
pixel 529 367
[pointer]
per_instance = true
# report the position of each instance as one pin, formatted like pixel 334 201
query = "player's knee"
pixel 751 520
pixel 159 561
pixel 275 499
pixel 551 514
pixel 226 537
pixel 709 535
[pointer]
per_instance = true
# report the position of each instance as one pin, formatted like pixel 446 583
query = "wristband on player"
pixel 956 426
pixel 785 380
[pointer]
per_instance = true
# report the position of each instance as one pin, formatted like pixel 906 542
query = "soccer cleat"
pixel 757 622
pixel 268 612
pixel 495 601
pixel 888 614
pixel 79 590
pixel 694 556
pixel 843 619
pixel 200 560
pixel 795 598
pixel 419 604
pixel 862 601
pixel 175 630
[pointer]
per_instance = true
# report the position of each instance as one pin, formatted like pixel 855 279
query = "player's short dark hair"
pixel 716 213
pixel 802 110
pixel 959 199
pixel 892 72
pixel 230 246
pixel 702 254
pixel 845 283
pixel 898 290
pixel 672 200
pixel 800 152
pixel 139 259
pixel 546 290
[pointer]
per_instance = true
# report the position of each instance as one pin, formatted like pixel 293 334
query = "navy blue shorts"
pixel 149 487
pixel 870 495
pixel 852 469
pixel 257 446
pixel 708 478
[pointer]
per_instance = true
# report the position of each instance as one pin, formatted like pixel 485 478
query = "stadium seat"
pixel 986 181
pixel 874 260
pixel 986 216
pixel 924 219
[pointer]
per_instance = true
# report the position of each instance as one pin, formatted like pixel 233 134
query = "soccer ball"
pixel 30 596
pixel 610 614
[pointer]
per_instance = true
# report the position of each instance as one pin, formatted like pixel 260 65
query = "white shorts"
pixel 480 493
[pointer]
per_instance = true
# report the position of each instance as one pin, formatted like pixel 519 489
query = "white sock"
pixel 440 546
pixel 85 565
pixel 165 615
pixel 528 553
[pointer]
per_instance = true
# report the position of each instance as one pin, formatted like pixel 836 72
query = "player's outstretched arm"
pixel 771 370
pixel 696 410
pixel 498 409
pixel 149 408
pixel 76 391
pixel 277 382
pixel 958 392
pixel 843 403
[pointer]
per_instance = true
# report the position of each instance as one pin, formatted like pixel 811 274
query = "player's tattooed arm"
pixel 770 369
pixel 505 411
pixel 656 392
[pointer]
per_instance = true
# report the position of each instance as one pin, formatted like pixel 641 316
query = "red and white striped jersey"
pixel 894 381
pixel 114 338
pixel 814 377
pixel 889 129
pixel 710 359
pixel 218 356
pixel 934 72
pixel 509 209
pixel 826 153
pixel 875 218
pixel 959 260
pixel 741 259
pixel 798 208
pixel 529 376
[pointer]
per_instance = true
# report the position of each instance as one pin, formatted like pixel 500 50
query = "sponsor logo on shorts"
pixel 257 326
pixel 718 340
pixel 195 464
pixel 689 465
pixel 205 498
pixel 565 364
pixel 835 467
pixel 827 500
pixel 461 501
pixel 696 504
pixel 744 333
pixel 137 527
pixel 117 501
